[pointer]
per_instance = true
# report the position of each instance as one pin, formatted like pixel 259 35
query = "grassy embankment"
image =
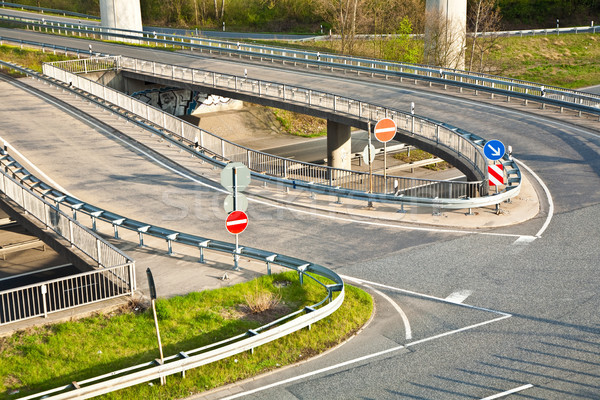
pixel 49 356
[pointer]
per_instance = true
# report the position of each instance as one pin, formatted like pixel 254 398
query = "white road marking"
pixel 503 394
pixel 425 296
pixel 548 196
pixel 359 359
pixel 524 240
pixel 459 297
pixel 398 309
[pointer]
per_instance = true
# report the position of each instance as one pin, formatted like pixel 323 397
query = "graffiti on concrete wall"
pixel 179 101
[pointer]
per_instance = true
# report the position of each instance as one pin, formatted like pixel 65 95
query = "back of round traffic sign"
pixel 385 130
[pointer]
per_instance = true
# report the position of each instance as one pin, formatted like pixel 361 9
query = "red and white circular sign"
pixel 236 222
pixel 385 130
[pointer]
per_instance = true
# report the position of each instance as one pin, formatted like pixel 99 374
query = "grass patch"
pixel 46 357
pixel 419 155
pixel 32 59
pixel 566 60
pixel 300 124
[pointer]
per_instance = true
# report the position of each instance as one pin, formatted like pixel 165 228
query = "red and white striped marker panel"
pixel 236 222
pixel 385 130
pixel 496 174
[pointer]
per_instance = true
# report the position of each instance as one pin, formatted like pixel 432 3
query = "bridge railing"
pixel 116 271
pixel 561 97
pixel 288 169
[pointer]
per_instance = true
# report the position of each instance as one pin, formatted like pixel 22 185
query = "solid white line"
pixel 398 309
pixel 515 390
pixel 359 359
pixel 548 196
pixel 425 296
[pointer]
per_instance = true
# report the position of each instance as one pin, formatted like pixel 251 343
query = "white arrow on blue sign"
pixel 494 150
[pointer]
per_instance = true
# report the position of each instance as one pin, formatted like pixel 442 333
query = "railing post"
pixel 43 291
pixel 99 258
pixel 71 232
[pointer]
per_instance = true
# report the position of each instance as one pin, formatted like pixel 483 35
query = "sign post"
pixel 152 287
pixel 236 176
pixel 370 204
pixel 385 130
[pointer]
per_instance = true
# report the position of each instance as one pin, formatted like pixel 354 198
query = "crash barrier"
pixel 333 286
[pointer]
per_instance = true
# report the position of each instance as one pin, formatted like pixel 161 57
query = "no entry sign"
pixel 385 130
pixel 236 222
pixel 496 174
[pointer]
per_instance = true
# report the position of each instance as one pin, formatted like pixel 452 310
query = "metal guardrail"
pixel 399 196
pixel 184 360
pixel 115 276
pixel 529 91
pixel 408 190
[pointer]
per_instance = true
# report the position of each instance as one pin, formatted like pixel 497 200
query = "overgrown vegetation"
pixel 569 61
pixel 420 155
pixel 302 16
pixel 31 59
pixel 300 124
pixel 49 356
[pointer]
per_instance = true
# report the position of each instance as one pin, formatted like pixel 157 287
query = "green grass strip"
pixel 46 357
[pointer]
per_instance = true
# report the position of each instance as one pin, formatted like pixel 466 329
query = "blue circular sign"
pixel 494 149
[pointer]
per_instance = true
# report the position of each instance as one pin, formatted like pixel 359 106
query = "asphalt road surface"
pixel 489 311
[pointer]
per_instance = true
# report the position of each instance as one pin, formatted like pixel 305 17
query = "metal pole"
pixel 384 167
pixel 163 380
pixel 236 256
pixel 370 163
pixel 234 178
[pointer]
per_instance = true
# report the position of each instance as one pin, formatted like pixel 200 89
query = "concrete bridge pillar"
pixel 121 14
pixel 445 33
pixel 339 150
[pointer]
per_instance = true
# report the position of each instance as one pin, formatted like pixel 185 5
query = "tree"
pixel 484 17
pixel 343 16
pixel 401 47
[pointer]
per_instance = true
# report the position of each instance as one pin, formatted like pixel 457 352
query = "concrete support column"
pixel 121 14
pixel 445 33
pixel 339 150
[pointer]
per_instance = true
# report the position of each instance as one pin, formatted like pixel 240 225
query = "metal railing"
pixel 401 194
pixel 115 276
pixel 560 97
pixel 184 360
pixel 462 145
pixel 41 299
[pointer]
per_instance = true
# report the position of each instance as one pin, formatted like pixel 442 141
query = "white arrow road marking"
pixel 495 152
pixel 459 297
pixel 397 307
